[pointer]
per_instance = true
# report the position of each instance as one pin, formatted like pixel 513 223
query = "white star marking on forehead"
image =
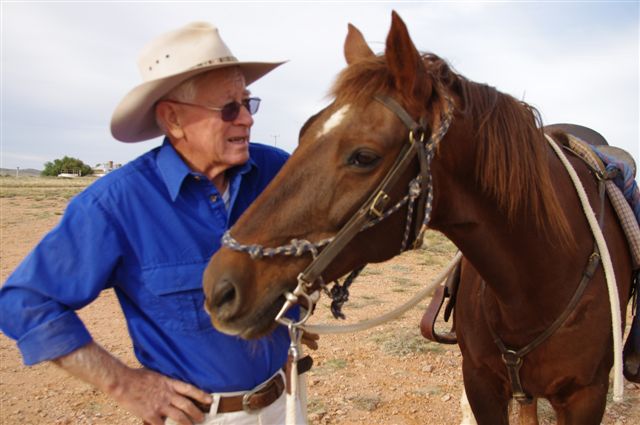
pixel 333 121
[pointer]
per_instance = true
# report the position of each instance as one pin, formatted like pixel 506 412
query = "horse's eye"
pixel 363 158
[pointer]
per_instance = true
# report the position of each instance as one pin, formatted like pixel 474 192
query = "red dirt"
pixel 386 375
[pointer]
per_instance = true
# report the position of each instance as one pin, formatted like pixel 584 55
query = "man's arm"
pixel 147 394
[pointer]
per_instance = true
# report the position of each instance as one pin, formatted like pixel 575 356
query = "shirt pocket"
pixel 177 297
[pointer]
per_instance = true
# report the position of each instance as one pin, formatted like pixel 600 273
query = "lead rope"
pixel 377 321
pixel 296 384
pixel 292 377
pixel 616 321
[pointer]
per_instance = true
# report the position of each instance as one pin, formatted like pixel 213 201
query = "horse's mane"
pixel 511 156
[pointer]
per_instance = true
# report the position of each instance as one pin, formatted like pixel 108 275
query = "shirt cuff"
pixel 53 339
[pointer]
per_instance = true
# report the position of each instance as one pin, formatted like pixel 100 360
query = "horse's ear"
pixel 355 47
pixel 403 59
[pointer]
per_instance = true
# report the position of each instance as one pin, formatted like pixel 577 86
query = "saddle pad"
pixel 627 220
pixel 584 151
pixel 620 203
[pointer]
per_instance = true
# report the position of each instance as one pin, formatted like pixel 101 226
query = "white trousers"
pixel 274 414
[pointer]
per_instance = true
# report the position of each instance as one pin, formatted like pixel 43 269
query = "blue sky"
pixel 65 65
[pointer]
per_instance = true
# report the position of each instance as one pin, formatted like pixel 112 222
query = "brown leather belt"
pixel 254 400
pixel 258 398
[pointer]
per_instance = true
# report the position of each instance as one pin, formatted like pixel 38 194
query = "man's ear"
pixel 168 120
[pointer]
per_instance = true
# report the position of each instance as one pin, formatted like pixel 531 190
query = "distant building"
pixel 69 174
pixel 102 169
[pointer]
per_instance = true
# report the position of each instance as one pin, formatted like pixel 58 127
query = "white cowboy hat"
pixel 164 64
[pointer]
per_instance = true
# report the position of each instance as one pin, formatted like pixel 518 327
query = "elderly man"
pixel 148 230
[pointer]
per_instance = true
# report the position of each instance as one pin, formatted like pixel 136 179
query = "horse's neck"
pixel 521 266
pixel 508 256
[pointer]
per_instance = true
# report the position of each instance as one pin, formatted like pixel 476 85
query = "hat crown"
pixel 167 62
pixel 195 45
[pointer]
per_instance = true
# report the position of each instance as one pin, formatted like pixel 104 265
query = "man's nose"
pixel 244 117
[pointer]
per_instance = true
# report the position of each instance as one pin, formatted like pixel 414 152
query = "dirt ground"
pixel 385 375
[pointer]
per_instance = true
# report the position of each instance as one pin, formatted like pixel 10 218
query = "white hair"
pixel 184 92
pixel 187 91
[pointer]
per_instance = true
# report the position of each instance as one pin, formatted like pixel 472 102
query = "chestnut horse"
pixel 499 193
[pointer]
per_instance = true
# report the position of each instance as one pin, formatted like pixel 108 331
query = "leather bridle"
pixel 372 211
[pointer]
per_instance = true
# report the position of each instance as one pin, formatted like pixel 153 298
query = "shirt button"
pixel 213 198
pixel 197 178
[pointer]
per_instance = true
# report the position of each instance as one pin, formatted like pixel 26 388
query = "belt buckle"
pixel 245 402
pixel 247 396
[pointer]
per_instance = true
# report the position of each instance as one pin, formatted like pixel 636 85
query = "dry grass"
pixel 41 188
pixel 400 342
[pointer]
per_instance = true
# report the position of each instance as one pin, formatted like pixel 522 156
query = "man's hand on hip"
pixel 147 394
pixel 155 397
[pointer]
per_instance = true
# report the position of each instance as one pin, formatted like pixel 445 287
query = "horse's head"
pixel 344 153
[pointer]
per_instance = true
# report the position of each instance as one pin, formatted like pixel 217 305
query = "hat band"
pixel 214 61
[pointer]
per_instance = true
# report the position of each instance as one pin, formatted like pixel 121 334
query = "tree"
pixel 66 165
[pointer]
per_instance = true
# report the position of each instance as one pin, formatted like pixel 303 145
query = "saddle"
pixel 625 215
pixel 576 138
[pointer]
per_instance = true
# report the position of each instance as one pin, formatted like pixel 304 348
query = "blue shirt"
pixel 147 230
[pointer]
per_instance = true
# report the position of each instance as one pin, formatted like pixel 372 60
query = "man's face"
pixel 209 142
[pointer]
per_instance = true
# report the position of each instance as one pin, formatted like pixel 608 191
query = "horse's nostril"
pixel 223 299
pixel 227 295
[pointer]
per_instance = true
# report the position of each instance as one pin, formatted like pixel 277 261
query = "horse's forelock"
pixel 358 83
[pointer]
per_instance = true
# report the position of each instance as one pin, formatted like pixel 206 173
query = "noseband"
pixel 372 212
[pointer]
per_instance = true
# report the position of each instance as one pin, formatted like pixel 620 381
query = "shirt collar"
pixel 174 170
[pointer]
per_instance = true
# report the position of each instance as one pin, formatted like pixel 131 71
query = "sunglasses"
pixel 231 110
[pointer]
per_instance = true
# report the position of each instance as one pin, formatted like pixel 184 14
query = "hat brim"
pixel 134 118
